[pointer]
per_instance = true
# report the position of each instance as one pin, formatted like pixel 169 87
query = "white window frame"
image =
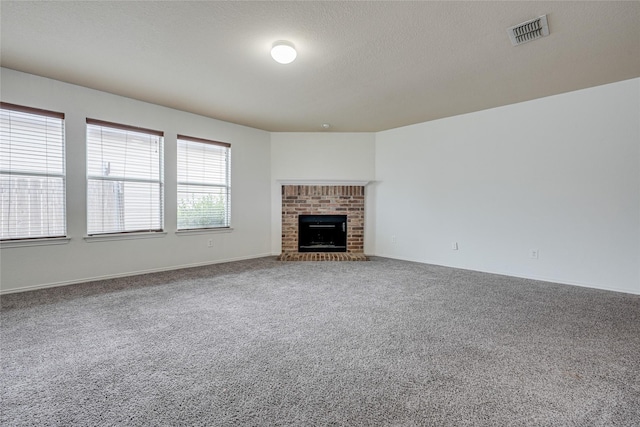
pixel 53 222
pixel 193 183
pixel 94 235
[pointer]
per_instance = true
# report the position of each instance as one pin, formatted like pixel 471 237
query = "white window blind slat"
pixel 32 173
pixel 204 184
pixel 124 179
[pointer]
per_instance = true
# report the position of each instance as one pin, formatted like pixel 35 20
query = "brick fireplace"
pixel 323 200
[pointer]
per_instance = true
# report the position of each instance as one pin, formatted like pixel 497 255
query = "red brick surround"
pixel 322 200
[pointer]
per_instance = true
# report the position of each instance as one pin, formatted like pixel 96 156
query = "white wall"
pixel 79 260
pixel 558 174
pixel 322 156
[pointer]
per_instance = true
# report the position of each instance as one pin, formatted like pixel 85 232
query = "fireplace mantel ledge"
pixel 322 182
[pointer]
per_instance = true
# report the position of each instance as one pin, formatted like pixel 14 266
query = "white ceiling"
pixel 361 66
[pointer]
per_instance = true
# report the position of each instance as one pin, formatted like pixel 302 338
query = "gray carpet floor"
pixel 262 342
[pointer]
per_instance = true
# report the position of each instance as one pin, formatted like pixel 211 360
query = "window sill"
pixel 204 231
pixel 125 236
pixel 34 242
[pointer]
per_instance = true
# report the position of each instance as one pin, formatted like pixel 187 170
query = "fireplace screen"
pixel 322 233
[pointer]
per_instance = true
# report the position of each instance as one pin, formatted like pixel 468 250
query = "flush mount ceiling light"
pixel 283 52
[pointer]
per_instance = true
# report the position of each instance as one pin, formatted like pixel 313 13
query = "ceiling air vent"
pixel 528 31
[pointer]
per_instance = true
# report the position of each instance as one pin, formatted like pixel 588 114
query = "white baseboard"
pixel 200 264
pixel 521 276
pixel 130 273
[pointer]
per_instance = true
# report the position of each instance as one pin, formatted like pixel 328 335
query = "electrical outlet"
pixel 210 243
pixel 394 239
pixel 534 254
pixel 454 246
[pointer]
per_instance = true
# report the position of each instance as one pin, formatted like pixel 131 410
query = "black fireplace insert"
pixel 322 233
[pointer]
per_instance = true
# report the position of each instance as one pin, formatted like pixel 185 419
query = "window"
pixel 32 173
pixel 204 187
pixel 124 178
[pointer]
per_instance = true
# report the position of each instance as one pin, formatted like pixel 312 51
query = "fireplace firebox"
pixel 322 233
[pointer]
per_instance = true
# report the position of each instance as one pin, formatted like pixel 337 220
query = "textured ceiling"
pixel 361 66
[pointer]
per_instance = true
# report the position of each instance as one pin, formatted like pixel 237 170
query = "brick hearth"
pixel 322 256
pixel 323 200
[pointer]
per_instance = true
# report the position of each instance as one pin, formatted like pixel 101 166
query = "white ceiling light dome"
pixel 283 52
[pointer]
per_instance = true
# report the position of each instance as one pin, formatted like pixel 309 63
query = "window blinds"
pixel 124 178
pixel 204 187
pixel 32 173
